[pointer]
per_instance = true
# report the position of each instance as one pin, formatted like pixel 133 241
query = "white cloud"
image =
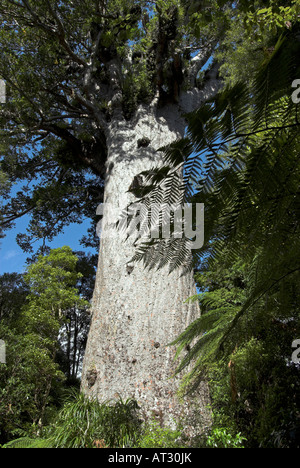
pixel 11 254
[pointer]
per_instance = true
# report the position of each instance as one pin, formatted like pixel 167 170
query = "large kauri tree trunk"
pixel 137 312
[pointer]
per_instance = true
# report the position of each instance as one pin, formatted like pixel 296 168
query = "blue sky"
pixel 13 259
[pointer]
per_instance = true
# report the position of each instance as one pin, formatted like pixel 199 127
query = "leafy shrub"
pixel 26 442
pixel 86 423
pixel 221 438
pixel 155 436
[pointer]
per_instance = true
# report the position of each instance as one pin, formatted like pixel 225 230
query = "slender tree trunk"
pixel 75 339
pixel 136 312
pixel 68 333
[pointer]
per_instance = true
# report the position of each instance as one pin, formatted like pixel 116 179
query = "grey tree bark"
pixel 136 312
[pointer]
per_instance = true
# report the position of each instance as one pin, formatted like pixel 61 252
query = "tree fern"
pixel 26 442
pixel 241 159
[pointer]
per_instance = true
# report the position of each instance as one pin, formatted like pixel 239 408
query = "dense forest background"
pixel 240 157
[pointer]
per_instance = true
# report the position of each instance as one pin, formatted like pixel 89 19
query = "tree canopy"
pixel 70 68
pixel 241 159
pixel 37 318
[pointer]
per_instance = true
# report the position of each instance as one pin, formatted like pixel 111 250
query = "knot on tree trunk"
pixel 143 142
pixel 91 377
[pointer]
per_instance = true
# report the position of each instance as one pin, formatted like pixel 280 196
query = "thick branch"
pixel 198 62
pixel 92 157
pixel 192 99
pixel 58 32
pixel 6 222
pixel 62 37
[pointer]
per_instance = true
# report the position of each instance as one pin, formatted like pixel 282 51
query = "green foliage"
pixel 55 57
pixel 221 438
pixel 251 37
pixel 276 16
pixel 31 377
pixel 26 381
pixel 240 158
pixel 223 290
pixel 26 443
pixel 258 394
pixel 52 280
pixel 234 143
pixel 5 187
pixel 50 185
pixel 254 386
pixel 86 423
pixel 13 293
pixel 155 436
